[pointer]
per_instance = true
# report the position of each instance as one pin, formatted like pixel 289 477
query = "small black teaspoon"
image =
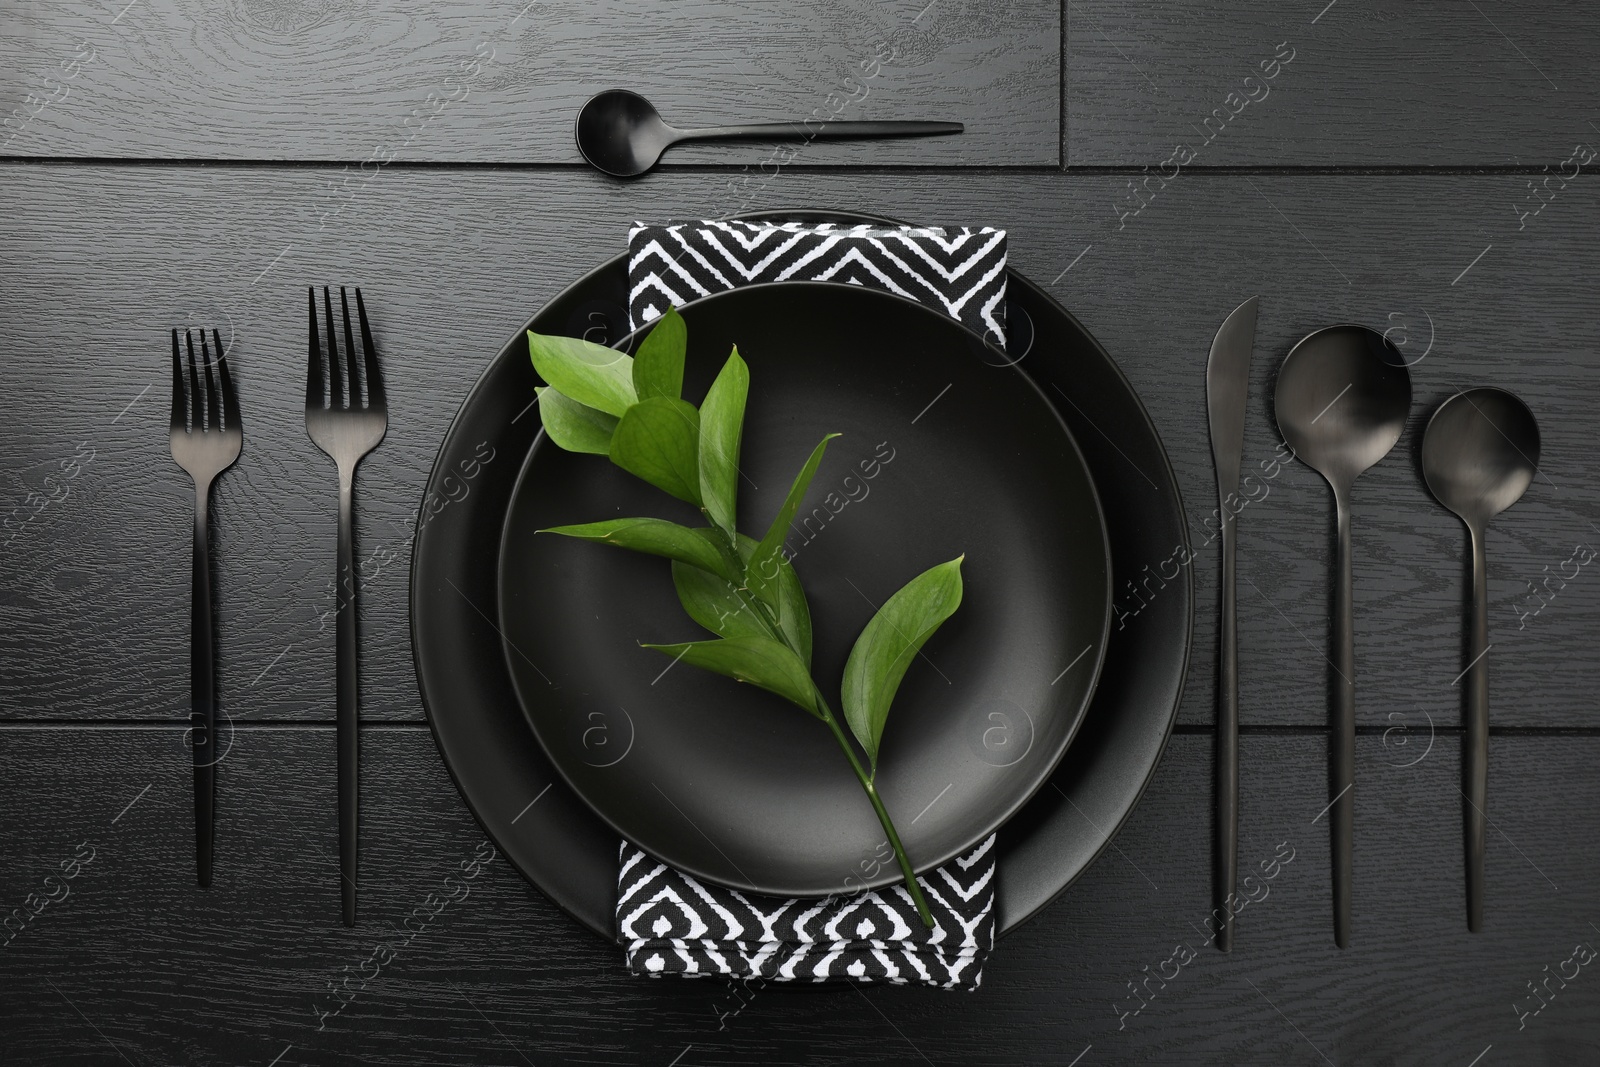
pixel 1479 454
pixel 622 134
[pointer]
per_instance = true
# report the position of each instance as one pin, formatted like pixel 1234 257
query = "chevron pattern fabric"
pixel 671 923
pixel 960 271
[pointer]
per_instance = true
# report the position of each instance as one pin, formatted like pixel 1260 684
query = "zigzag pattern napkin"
pixel 674 924
pixel 961 271
pixel 671 923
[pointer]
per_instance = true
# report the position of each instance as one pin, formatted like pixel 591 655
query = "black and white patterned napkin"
pixel 671 923
pixel 961 271
pixel 674 924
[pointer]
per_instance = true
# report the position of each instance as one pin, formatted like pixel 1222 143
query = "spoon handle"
pixel 1475 762
pixel 799 131
pixel 1342 737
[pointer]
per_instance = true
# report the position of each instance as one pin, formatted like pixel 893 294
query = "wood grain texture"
pixel 1483 278
pixel 237 974
pixel 100 262
pixel 342 81
pixel 1488 84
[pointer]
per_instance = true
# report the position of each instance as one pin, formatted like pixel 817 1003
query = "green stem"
pixel 883 816
pixel 766 614
pixel 728 545
pixel 725 544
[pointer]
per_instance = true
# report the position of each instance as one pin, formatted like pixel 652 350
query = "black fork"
pixel 206 438
pixel 346 428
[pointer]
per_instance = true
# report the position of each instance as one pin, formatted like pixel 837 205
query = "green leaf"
pixel 657 537
pixel 658 364
pixel 575 427
pixel 794 614
pixel 761 569
pixel 659 440
pixel 717 604
pixel 721 424
pixel 886 647
pixel 727 610
pixel 761 661
pixel 591 374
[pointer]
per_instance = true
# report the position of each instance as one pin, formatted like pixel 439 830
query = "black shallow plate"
pixel 561 846
pixel 945 454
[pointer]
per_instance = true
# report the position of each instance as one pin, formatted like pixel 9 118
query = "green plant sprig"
pixel 743 590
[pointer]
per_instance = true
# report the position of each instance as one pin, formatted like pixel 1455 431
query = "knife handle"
pixel 1227 741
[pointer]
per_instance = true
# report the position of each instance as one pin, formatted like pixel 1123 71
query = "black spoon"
pixel 1342 399
pixel 622 134
pixel 1479 454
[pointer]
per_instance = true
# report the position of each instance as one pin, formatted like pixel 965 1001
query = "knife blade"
pixel 1227 393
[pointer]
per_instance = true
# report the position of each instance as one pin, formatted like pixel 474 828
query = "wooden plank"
pixel 502 82
pixel 1420 85
pixel 135 957
pixel 94 589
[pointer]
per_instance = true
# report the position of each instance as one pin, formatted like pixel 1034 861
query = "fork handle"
pixel 346 697
pixel 202 689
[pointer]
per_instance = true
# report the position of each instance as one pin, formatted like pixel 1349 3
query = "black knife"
pixel 1227 391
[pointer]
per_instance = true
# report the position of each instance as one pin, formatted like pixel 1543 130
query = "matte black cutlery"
pixel 206 438
pixel 622 134
pixel 346 427
pixel 1227 390
pixel 1479 455
pixel 1342 399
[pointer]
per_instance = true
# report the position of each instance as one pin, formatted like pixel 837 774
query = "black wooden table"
pixel 1423 169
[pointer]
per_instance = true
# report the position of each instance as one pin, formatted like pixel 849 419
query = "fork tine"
pixel 213 408
pixel 197 419
pixel 336 382
pixel 314 395
pixel 350 352
pixel 375 397
pixel 230 399
pixel 180 402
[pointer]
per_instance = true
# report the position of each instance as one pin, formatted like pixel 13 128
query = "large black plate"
pixel 944 455
pixel 554 839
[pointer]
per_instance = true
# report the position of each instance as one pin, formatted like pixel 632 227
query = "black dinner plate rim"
pixel 1008 917
pixel 1040 772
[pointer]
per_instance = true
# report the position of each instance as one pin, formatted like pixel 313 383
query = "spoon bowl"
pixel 622 133
pixel 1479 455
pixel 1342 399
pixel 1480 452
